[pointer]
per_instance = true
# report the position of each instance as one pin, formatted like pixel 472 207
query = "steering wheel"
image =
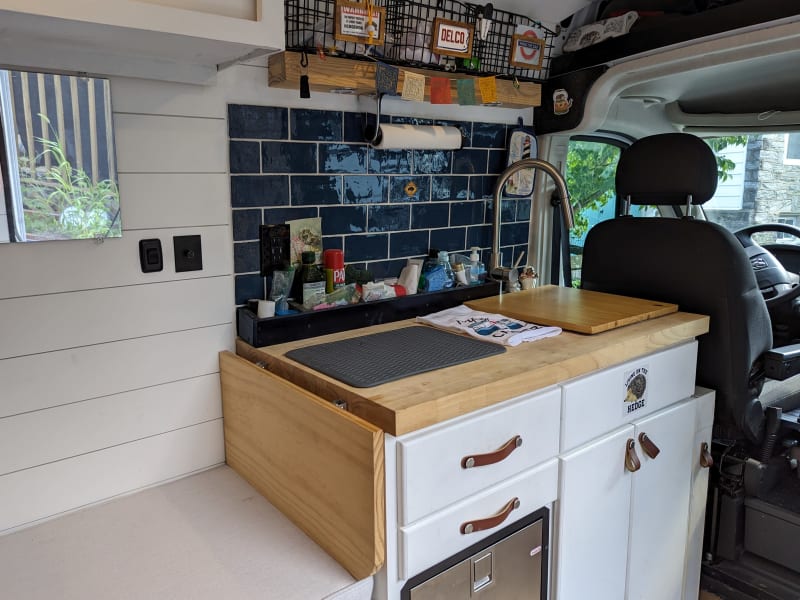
pixel 774 281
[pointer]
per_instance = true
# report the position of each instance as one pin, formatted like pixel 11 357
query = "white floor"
pixel 207 536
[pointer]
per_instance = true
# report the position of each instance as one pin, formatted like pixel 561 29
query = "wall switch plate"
pixel 150 255
pixel 188 253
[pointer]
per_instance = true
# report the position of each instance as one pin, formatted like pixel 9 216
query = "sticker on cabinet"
pixel 635 397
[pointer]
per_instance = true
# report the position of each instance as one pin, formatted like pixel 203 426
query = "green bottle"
pixel 313 280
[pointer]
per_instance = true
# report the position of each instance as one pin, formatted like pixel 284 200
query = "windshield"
pixel 759 182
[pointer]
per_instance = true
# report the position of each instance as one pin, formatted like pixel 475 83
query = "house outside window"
pixel 791 155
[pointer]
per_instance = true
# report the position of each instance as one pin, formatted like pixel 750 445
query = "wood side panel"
pixel 336 73
pixel 321 466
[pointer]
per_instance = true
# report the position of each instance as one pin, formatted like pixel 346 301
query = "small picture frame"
pixel 527 52
pixel 355 22
pixel 452 38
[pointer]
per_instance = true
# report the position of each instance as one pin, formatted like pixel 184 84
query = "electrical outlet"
pixel 188 253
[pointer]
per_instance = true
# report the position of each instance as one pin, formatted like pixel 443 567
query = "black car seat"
pixel 696 264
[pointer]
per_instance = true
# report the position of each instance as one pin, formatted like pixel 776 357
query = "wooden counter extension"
pixel 415 402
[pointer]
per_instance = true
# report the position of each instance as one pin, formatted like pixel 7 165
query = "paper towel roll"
pixel 418 137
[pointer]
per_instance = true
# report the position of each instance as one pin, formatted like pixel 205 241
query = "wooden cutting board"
pixel 573 309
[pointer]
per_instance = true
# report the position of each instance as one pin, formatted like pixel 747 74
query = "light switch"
pixel 150 257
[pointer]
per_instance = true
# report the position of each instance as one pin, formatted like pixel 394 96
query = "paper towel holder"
pixel 423 137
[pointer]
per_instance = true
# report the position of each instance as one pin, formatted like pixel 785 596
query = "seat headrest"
pixel 665 169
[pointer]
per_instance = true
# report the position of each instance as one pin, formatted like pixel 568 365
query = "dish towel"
pixel 488 326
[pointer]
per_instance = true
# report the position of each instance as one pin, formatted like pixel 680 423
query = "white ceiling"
pixel 549 11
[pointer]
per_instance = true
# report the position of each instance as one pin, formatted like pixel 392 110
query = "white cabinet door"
pixel 660 505
pixel 697 502
pixel 593 512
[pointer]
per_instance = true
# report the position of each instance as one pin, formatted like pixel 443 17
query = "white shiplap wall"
pixel 109 376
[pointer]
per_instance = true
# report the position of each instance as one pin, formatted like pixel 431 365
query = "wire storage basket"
pixel 409 29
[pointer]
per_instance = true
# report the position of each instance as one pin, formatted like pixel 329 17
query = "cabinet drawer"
pixel 601 402
pixel 429 541
pixel 511 437
pixel 319 465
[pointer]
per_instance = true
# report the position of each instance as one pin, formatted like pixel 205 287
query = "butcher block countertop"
pixel 421 400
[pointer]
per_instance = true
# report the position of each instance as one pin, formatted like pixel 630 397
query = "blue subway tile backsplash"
pixel 432 161
pixel 343 219
pixel 389 217
pixel 470 161
pixel 488 135
pixel 246 257
pixel 411 188
pixel 342 158
pixel 366 247
pixel 258 122
pixel 366 189
pixel 245 224
pixel 380 206
pixel 449 187
pixel 389 161
pixel 316 125
pixel 259 190
pixel 409 243
pixel 289 157
pixel 316 189
pixel 430 216
pixel 245 157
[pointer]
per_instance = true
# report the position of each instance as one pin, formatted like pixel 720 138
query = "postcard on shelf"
pixel 305 235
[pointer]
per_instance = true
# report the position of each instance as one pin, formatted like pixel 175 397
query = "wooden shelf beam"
pixel 333 74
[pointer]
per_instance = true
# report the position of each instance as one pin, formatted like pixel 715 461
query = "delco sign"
pixel 452 38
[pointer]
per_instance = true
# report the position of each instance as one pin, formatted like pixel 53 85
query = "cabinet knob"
pixel 706 460
pixel 489 522
pixel 632 462
pixel 481 460
pixel 648 446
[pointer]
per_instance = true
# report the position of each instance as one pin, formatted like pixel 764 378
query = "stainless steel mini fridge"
pixel 510 565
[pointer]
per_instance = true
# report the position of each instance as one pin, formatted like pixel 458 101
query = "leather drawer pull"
pixel 481 460
pixel 632 463
pixel 489 522
pixel 648 446
pixel 706 461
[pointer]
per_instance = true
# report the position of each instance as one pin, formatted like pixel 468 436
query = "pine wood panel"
pixel 104 369
pixel 35 438
pixel 64 485
pixel 414 402
pixel 573 309
pixel 84 264
pixel 166 144
pixel 334 73
pixel 94 316
pixel 319 465
pixel 162 200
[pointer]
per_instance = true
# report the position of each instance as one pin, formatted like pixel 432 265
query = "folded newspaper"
pixel 488 326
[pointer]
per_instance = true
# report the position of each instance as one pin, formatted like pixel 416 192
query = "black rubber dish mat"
pixel 371 360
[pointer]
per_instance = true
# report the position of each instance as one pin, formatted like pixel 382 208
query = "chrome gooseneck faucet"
pixel 520 165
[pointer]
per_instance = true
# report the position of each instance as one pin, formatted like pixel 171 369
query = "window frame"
pixel 786 159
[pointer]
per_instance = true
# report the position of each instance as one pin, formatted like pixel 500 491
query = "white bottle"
pixel 475 266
